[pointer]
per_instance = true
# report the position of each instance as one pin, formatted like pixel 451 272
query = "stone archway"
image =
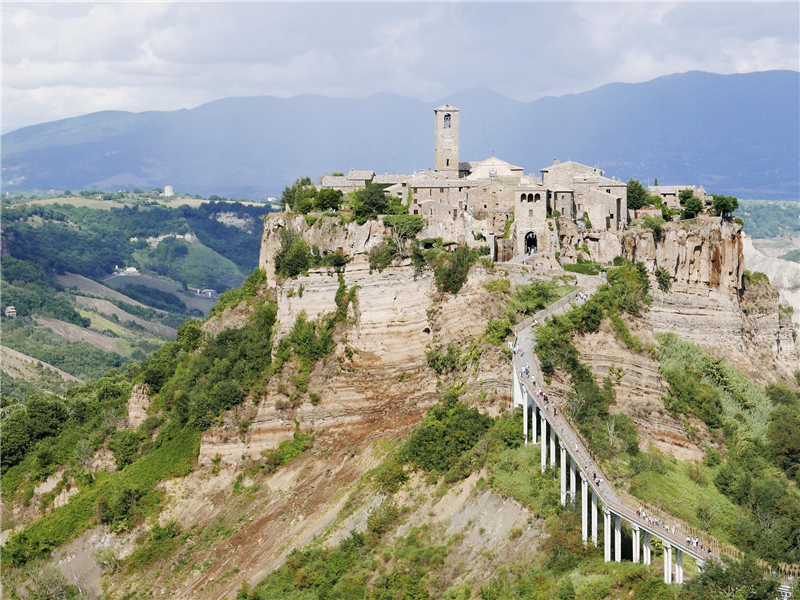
pixel 531 243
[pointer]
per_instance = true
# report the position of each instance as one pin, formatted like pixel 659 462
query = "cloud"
pixel 66 59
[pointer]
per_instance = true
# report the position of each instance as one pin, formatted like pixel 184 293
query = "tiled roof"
pixel 360 175
pixel 332 181
pixel 390 178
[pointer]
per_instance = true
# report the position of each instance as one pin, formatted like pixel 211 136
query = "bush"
pixel 585 268
pixel 443 362
pixel 449 430
pixel 664 279
pixel 451 269
pixel 404 226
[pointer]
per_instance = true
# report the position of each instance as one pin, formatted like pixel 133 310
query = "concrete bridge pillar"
pixel 617 538
pixel 534 421
pixel 553 447
pixel 700 564
pixel 595 517
pixel 607 534
pixel 637 544
pixel 678 565
pixel 525 415
pixel 648 550
pixel 563 473
pixel 584 509
pixel 572 475
pixel 667 563
pixel 525 402
pixel 544 442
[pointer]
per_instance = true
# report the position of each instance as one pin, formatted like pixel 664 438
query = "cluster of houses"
pixel 492 200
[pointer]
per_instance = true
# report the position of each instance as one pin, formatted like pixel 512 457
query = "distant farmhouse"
pixel 493 200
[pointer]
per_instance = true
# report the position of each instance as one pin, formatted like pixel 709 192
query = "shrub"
pixel 585 268
pixel 288 449
pixel 443 362
pixel 449 429
pixel 404 226
pixel 450 269
pixel 664 279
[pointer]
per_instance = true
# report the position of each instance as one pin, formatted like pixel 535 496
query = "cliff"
pixel 377 379
pixel 707 300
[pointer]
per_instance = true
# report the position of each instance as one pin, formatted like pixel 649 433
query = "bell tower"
pixel 446 141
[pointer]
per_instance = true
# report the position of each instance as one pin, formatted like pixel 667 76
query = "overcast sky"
pixel 66 59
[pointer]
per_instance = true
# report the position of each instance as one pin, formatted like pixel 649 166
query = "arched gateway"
pixel 531 243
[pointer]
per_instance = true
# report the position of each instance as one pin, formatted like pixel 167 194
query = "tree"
pixel 637 195
pixel 692 207
pixel 732 580
pixel 369 202
pixel 291 195
pixel 328 199
pixel 725 206
pixel 685 195
pixel 784 436
pixel 655 183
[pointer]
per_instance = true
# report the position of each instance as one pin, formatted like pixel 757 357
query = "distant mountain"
pixel 735 134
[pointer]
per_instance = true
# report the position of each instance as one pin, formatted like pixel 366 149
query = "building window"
pixel 494 195
pixel 530 213
pixel 608 191
pixel 448 162
pixel 416 212
pixel 485 206
pixel 415 190
pixel 447 121
pixel 537 197
pixel 441 190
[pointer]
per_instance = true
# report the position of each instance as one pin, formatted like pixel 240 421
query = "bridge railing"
pixel 620 502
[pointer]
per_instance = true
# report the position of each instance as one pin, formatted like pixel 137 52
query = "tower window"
pixel 447 121
pixel 448 162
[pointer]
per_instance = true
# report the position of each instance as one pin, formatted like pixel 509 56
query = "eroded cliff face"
pixel 327 233
pixel 377 378
pixel 705 260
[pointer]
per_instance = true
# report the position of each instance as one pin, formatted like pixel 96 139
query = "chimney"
pixel 555 161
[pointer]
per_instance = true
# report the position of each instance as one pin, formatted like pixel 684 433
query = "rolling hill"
pixel 735 134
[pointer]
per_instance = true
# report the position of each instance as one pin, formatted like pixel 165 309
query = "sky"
pixel 66 59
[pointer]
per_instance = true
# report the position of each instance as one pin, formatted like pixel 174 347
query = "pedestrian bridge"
pixel 563 451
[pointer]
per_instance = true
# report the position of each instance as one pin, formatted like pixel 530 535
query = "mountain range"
pixel 734 134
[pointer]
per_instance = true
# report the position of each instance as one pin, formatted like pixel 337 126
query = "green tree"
pixel 369 202
pixel 730 581
pixel 328 199
pixel 656 182
pixel 725 206
pixel 692 207
pixel 295 194
pixel 685 195
pixel 15 438
pixel 784 437
pixel 637 195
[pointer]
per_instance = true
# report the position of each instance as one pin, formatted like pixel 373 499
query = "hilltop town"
pixel 492 202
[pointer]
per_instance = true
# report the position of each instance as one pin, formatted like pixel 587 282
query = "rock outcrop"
pixel 138 404
pixel 378 378
pixel 328 234
pixel 705 259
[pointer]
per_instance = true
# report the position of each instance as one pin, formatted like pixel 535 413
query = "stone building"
pixel 351 182
pixel 471 202
pixel 671 194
